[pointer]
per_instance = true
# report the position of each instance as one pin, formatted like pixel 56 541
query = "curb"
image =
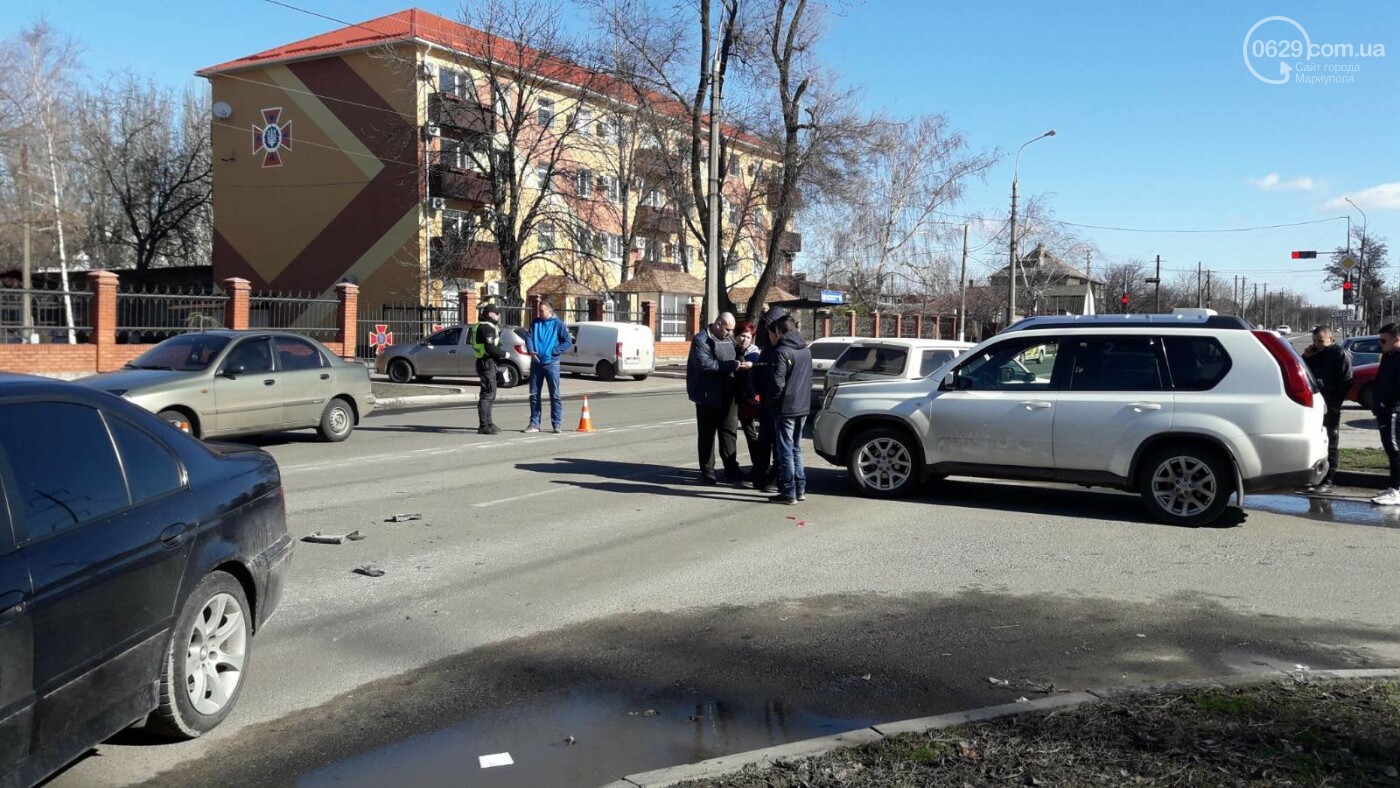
pixel 1362 479
pixel 728 764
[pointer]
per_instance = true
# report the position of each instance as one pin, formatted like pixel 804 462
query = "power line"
pixel 412 118
pixel 414 165
pixel 1169 230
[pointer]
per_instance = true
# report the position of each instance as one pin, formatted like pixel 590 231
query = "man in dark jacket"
pixel 1331 367
pixel 788 397
pixel 485 338
pixel 1385 398
pixel 548 339
pixel 765 474
pixel 709 381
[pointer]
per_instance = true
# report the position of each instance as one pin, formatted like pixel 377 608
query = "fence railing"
pixel 41 315
pixel 296 313
pixel 671 326
pixel 400 324
pixel 574 315
pixel 150 315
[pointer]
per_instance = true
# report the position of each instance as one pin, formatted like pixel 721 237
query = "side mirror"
pixel 232 371
pixel 950 382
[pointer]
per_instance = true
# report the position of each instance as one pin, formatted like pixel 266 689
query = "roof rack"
pixel 1090 322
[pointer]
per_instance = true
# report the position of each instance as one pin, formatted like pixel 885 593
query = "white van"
pixel 608 350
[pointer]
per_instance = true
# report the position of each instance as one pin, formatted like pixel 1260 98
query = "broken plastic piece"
pixel 320 538
pixel 403 518
pixel 999 682
pixel 369 570
pixel 497 759
pixel 650 713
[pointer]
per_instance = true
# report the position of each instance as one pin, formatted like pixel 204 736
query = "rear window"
pixel 933 359
pixel 875 359
pixel 828 351
pixel 1366 346
pixel 1197 363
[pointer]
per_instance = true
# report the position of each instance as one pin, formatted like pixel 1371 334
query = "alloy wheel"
pixel 217 649
pixel 884 464
pixel 1184 486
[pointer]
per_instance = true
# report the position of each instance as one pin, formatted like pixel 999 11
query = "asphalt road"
pixel 566 585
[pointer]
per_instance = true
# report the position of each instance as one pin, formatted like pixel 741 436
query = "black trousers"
pixel 486 373
pixel 1333 422
pixel 1387 419
pixel 760 446
pixel 723 420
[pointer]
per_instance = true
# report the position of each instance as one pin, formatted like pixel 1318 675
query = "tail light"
pixel 619 350
pixel 520 349
pixel 1296 383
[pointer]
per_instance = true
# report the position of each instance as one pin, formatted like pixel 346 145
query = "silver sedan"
pixel 223 383
pixel 448 354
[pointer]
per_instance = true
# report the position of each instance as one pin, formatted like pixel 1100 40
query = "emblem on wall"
pixel 271 140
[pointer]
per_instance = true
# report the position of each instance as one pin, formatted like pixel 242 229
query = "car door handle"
pixel 1035 404
pixel 325 376
pixel 269 382
pixel 173 535
pixel 1143 407
pixel 11 605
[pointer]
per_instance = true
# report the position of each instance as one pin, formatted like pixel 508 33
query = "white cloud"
pixel 1382 197
pixel 1274 183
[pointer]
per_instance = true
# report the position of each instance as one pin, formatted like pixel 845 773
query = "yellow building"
pixel 358 155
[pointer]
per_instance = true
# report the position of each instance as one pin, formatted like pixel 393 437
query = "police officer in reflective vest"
pixel 485 341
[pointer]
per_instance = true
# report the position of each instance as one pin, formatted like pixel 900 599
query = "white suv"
pixel 1185 410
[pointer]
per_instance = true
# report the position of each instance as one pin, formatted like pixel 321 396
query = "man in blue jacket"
pixel 788 397
pixel 709 382
pixel 547 341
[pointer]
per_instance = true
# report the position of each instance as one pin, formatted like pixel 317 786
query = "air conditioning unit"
pixel 493 288
pixel 432 130
pixel 438 203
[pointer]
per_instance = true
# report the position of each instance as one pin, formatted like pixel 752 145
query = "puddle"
pixel 1347 511
pixel 613 737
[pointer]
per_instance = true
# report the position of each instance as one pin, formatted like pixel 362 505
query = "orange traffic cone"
pixel 585 422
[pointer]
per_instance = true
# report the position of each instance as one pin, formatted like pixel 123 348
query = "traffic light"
pixel 1124 299
pixel 1304 255
pixel 1348 292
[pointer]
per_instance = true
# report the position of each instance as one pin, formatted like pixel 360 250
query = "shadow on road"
pixel 723 679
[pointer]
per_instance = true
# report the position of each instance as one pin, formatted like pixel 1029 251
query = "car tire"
pixel 884 463
pixel 508 375
pixel 1186 484
pixel 640 377
pixel 337 421
pixel 606 370
pixel 206 664
pixel 400 371
pixel 1365 396
pixel 179 420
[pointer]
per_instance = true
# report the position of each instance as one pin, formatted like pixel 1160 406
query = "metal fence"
pixel 148 315
pixel 400 324
pixel 670 326
pixel 296 313
pixel 42 315
pixel 574 315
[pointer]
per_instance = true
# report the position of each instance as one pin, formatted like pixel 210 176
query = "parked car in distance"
pixel 136 566
pixel 607 350
pixel 448 354
pixel 1364 350
pixel 892 359
pixel 1185 412
pixel 226 383
pixel 1284 330
pixel 1361 384
pixel 825 351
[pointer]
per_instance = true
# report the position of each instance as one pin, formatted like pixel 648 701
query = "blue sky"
pixel 1160 124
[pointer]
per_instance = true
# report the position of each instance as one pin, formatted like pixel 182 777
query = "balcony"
pixel 454 255
pixel 651 165
pixel 464 185
pixel 457 112
pixel 790 243
pixel 771 197
pixel 653 222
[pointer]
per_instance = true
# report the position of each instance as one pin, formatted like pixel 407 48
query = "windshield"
pixel 828 351
pixel 185 353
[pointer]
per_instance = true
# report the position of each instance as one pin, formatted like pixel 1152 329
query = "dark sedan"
pixel 136 564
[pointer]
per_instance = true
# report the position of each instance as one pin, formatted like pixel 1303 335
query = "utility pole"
pixel 26 323
pixel 1198 285
pixel 714 266
pixel 1158 286
pixel 962 292
pixel 1266 304
pixel 1207 289
pixel 1234 289
pixel 1255 302
pixel 1244 285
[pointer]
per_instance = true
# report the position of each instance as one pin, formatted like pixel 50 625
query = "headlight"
pixel 826 400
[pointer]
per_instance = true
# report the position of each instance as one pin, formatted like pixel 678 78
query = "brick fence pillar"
pixel 877 320
pixel 595 309
pixel 103 285
pixel 649 316
pixel 826 326
pixel 469 304
pixel 236 312
pixel 692 319
pixel 532 306
pixel 899 325
pixel 348 317
pixel 938 328
pixel 919 326
pixel 851 323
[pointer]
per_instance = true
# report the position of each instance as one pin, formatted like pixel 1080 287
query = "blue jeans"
pixel 541 374
pixel 787 445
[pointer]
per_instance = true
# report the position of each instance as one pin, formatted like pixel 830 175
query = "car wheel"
pixel 884 463
pixel 606 371
pixel 400 371
pixel 508 375
pixel 639 377
pixel 1185 484
pixel 202 674
pixel 337 421
pixel 1364 396
pixel 178 420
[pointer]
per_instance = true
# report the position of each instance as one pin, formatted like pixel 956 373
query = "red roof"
pixel 418 25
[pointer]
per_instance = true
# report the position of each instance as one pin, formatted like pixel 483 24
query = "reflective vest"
pixel 478 347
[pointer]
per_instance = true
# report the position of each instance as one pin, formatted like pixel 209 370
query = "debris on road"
pixel 650 713
pixel 497 759
pixel 866 677
pixel 694 718
pixel 320 538
pixel 569 741
pixel 369 570
pixel 998 682
pixel 403 518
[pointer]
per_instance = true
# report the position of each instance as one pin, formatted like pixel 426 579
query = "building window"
pixel 583 239
pixel 546 112
pixel 452 81
pixel 585 183
pixel 733 164
pixel 654 199
pixel 585 121
pixel 732 210
pixel 755 168
pixel 607 129
pixel 504 103
pixel 651 252
pixel 607 184
pixel 671 321
pixel 461 155
pixel 547 236
pixel 542 177
pixel 459 225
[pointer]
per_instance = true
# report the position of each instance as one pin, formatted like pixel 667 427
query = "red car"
pixel 1361 380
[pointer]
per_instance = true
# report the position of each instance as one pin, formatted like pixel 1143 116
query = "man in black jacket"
pixel 1385 398
pixel 709 382
pixel 788 398
pixel 486 344
pixel 1331 367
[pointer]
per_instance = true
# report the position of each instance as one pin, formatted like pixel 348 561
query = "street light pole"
pixel 1360 264
pixel 1011 270
pixel 962 290
pixel 712 268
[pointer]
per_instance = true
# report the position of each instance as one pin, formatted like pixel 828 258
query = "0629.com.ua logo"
pixel 1277 50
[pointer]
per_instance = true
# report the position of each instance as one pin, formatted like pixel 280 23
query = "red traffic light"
pixel 1304 255
pixel 1346 285
pixel 1124 299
